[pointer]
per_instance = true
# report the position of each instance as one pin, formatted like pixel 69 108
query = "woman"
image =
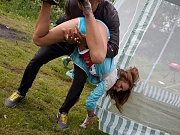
pixel 120 91
pixel 90 57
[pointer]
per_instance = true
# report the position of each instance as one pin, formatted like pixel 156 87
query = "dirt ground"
pixel 9 33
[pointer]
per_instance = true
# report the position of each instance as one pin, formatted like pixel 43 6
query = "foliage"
pixel 30 8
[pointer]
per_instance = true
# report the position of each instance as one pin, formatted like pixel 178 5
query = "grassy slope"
pixel 36 114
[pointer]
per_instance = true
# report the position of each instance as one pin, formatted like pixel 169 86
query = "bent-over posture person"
pixel 104 71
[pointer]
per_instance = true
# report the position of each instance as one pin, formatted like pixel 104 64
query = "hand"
pixel 80 38
pixel 87 121
pixel 69 36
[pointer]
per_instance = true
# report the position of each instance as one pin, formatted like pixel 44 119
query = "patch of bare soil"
pixel 8 33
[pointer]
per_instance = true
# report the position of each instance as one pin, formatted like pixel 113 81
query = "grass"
pixel 36 115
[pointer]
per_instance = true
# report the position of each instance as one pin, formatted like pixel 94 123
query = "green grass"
pixel 36 115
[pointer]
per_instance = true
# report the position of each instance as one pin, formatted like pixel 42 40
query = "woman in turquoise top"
pixel 97 36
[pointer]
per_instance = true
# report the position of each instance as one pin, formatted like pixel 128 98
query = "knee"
pixel 80 75
pixel 37 40
pixel 37 60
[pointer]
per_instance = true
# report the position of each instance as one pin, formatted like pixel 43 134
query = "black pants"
pixel 75 89
pixel 44 55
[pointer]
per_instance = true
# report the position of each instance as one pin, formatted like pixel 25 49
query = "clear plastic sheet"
pixel 155 102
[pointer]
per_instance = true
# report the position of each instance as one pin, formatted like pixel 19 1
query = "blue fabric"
pixel 95 95
pixel 101 69
pixel 82 26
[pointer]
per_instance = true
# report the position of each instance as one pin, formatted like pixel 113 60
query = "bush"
pixel 30 8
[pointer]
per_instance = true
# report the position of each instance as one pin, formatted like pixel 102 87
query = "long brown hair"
pixel 121 97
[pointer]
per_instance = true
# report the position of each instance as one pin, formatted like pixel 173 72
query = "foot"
pixel 70 73
pixel 52 2
pixel 13 99
pixel 62 120
pixel 65 61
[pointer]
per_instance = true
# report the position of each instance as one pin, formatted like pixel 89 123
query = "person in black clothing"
pixel 102 10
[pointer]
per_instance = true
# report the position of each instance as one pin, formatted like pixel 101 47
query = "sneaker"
pixel 13 99
pixel 52 2
pixel 62 120
pixel 70 73
pixel 65 61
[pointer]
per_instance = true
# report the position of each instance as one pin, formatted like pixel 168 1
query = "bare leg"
pixel 43 22
pixel 43 35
